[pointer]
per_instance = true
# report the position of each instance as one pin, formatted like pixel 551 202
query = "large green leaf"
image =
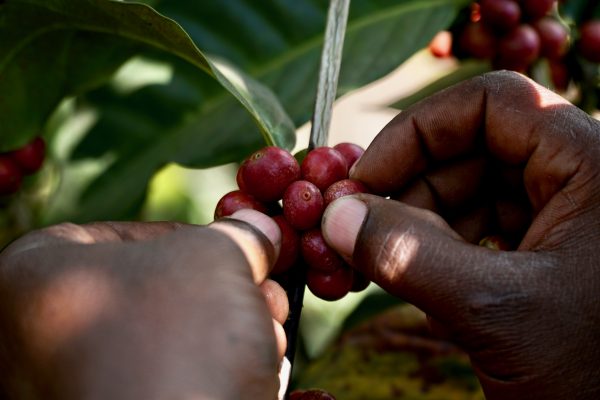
pixel 50 49
pixel 277 43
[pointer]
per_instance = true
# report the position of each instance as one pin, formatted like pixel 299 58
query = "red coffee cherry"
pixel 296 395
pixel 536 9
pixel 478 41
pixel 303 205
pixel 239 177
pixel 10 176
pixel 440 47
pixel 350 151
pixel 31 156
pixel 290 246
pixel 310 395
pixel 329 286
pixel 502 15
pixel 324 166
pixel 237 200
pixel 519 48
pixel 475 15
pixel 343 188
pixel 317 253
pixel 589 41
pixel 268 173
pixel 359 282
pixel 554 38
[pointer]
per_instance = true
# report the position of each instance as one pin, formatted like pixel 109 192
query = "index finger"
pixel 501 114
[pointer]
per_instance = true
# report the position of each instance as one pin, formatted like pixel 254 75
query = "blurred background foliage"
pixel 139 103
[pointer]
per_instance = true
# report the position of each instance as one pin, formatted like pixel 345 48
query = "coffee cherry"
pixel 589 41
pixel 519 48
pixel 359 282
pixel 315 394
pixel 31 156
pixel 475 15
pixel 296 395
pixel 303 205
pixel 494 242
pixel 290 246
pixel 317 253
pixel 237 200
pixel 554 38
pixel 502 15
pixel 324 166
pixel 440 47
pixel 269 172
pixel 10 176
pixel 239 177
pixel 329 286
pixel 343 188
pixel 478 41
pixel 536 9
pixel 350 151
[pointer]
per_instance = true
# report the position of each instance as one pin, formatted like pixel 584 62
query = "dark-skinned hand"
pixel 142 311
pixel 495 155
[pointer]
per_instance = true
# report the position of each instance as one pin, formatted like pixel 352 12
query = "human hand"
pixel 497 154
pixel 143 311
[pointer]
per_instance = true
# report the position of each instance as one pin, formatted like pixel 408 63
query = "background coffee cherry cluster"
pixel 18 163
pixel 513 34
pixel 295 195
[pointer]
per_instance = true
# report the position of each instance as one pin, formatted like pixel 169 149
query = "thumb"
pixel 413 254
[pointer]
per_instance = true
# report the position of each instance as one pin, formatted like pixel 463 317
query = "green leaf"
pixel 466 70
pixel 575 12
pixel 50 49
pixel 277 43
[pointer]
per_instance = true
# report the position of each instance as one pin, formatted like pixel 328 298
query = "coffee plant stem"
pixel 331 59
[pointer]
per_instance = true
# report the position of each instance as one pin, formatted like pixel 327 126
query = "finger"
pixel 438 330
pixel 276 299
pixel 502 114
pixel 257 235
pixel 280 338
pixel 447 187
pixel 412 253
pixel 456 184
pixel 513 217
pixel 97 232
pixel 473 224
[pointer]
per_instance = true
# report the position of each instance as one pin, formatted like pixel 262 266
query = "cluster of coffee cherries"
pixel 295 195
pixel 14 165
pixel 513 34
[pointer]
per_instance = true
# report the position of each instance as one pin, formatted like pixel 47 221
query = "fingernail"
pixel 261 222
pixel 342 222
pixel 353 168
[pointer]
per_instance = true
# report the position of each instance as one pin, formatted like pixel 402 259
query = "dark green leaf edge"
pixel 465 71
pixel 272 121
